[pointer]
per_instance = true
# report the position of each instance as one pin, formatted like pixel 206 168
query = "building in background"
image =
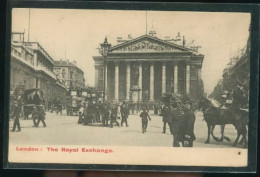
pixel 69 74
pixel 143 68
pixel 235 75
pixel 32 66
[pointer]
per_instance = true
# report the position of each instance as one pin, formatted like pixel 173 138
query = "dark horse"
pixel 216 116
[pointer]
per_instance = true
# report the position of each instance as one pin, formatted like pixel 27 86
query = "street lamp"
pixel 105 47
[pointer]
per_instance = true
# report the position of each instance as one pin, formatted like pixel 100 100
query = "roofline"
pixel 55 66
pixel 155 38
pixel 40 46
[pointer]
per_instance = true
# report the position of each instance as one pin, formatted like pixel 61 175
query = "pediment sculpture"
pixel 145 45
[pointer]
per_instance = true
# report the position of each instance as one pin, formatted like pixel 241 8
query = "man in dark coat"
pixel 16 116
pixel 41 116
pixel 99 109
pixel 167 117
pixel 187 126
pixel 175 124
pixel 144 115
pixel 105 114
pixel 124 114
pixel 113 116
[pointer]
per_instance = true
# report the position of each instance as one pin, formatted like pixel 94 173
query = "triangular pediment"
pixel 147 43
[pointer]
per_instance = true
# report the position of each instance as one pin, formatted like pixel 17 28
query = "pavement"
pixel 64 130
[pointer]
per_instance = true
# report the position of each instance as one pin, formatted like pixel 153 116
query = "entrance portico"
pixel 148 64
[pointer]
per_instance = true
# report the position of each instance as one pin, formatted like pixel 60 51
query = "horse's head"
pixel 203 104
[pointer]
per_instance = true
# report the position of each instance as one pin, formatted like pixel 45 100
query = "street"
pixel 64 130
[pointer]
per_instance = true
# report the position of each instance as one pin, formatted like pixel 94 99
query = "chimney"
pixel 67 61
pixel 129 36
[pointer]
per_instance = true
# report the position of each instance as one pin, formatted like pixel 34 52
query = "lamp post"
pixel 105 47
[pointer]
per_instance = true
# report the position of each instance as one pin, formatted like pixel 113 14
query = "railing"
pixel 41 68
pixel 17 55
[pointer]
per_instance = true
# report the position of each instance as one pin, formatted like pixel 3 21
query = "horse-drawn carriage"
pixel 31 98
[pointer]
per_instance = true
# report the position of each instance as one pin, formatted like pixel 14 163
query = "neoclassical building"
pixel 144 68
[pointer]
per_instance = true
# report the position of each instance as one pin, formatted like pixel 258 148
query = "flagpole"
pixel 146 24
pixel 29 25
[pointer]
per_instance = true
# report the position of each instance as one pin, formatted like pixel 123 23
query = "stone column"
pixel 163 77
pixel 151 81
pixel 105 81
pixel 140 81
pixel 176 78
pixel 96 76
pixel 116 81
pixel 128 74
pixel 187 78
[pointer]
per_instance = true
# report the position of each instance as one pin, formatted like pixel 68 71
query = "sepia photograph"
pixel 142 87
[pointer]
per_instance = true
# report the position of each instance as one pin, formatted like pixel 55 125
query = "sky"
pixel 76 34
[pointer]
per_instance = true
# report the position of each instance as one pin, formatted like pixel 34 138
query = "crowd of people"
pixel 177 113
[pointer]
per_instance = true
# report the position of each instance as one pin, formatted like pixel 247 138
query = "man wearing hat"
pixel 124 114
pixel 16 116
pixel 144 115
pixel 167 116
pixel 175 123
pixel 113 116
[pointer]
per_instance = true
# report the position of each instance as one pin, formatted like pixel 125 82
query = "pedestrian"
pixel 59 107
pixel 175 124
pixel 99 109
pixel 16 116
pixel 41 116
pixel 81 113
pixel 35 115
pixel 113 116
pixel 124 114
pixel 167 116
pixel 105 115
pixel 186 131
pixel 144 115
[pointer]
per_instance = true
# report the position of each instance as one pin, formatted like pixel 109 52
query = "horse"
pixel 216 116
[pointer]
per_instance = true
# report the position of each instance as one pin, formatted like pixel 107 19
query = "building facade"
pixel 69 74
pixel 237 71
pixel 32 67
pixel 144 68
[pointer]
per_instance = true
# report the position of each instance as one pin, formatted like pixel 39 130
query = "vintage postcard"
pixel 129 87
